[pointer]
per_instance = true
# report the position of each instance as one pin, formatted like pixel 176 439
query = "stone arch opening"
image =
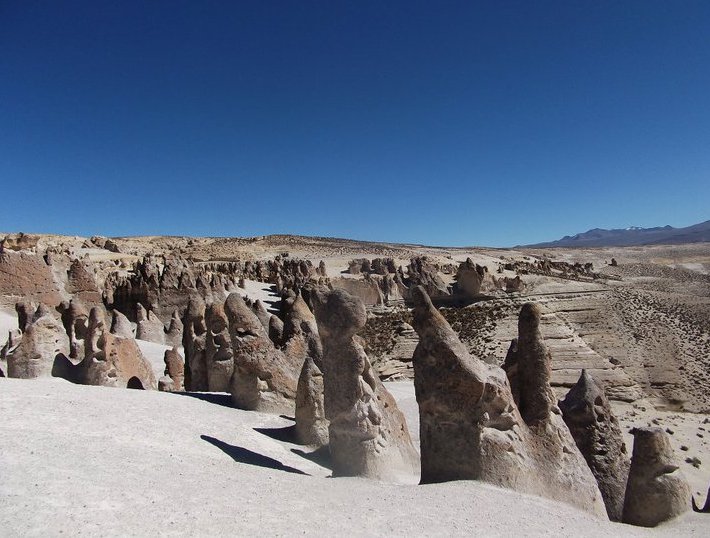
pixel 135 383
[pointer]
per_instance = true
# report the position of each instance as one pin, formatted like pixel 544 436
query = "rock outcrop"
pixel 219 359
pixel 173 336
pixel 471 429
pixel 27 277
pixel 534 367
pixel 263 379
pixel 174 378
pixel 595 429
pixel 303 349
pixel 112 361
pixel 81 284
pixel 120 326
pixel 75 318
pixel 368 433
pixel 44 342
pixel 149 328
pixel 656 490
pixel 194 340
pixel 311 424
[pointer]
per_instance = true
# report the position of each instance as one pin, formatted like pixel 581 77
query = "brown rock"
pixel 219 359
pixel 174 378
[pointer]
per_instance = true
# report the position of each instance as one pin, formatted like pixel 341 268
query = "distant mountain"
pixel 633 236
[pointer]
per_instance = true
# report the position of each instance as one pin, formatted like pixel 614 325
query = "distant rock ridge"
pixel 632 236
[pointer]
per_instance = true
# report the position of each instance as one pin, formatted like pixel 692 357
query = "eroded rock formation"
pixel 44 342
pixel 112 361
pixel 595 430
pixel 656 490
pixel 219 360
pixel 149 327
pixel 368 433
pixel 470 427
pixel 263 379
pixel 174 378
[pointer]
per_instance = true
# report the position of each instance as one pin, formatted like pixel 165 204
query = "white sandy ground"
pixel 79 460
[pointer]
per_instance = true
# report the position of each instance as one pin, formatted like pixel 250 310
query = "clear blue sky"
pixel 459 123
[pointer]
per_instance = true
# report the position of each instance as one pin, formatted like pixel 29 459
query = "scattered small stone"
pixel 694 461
pixel 669 431
pixel 684 448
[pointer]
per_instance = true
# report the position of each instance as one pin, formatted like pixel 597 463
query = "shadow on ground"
pixel 217 398
pixel 244 455
pixel 286 434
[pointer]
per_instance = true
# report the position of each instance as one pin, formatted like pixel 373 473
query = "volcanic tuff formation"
pixel 368 433
pixel 471 428
pixel 595 429
pixel 656 491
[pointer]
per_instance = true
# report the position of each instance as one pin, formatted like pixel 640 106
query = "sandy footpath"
pixel 79 460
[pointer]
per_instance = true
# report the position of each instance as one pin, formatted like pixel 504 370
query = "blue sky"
pixel 451 123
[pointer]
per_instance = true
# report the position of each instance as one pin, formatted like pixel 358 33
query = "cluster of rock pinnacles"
pixel 477 421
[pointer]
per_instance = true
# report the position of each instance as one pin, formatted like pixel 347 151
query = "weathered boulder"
pixel 173 337
pixel 194 344
pixel 120 326
pixel 44 342
pixel 368 433
pixel 263 379
pixel 303 349
pixel 174 378
pixel 595 429
pixel 75 318
pixel 149 327
pixel 311 424
pixel 656 490
pixel 219 359
pixel 469 278
pixel 81 283
pixel 276 330
pixel 421 272
pixel 112 361
pixel 25 313
pixel 260 310
pixel 367 289
pixel 534 367
pixel 471 429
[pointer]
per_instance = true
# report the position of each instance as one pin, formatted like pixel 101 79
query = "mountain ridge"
pixel 632 236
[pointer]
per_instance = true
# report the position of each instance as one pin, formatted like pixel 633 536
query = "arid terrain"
pixel 636 318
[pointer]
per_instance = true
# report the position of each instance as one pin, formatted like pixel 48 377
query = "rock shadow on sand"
pixel 217 398
pixel 249 457
pixel 286 434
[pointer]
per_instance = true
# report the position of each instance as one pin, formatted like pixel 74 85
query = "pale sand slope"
pixel 8 322
pixel 79 460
